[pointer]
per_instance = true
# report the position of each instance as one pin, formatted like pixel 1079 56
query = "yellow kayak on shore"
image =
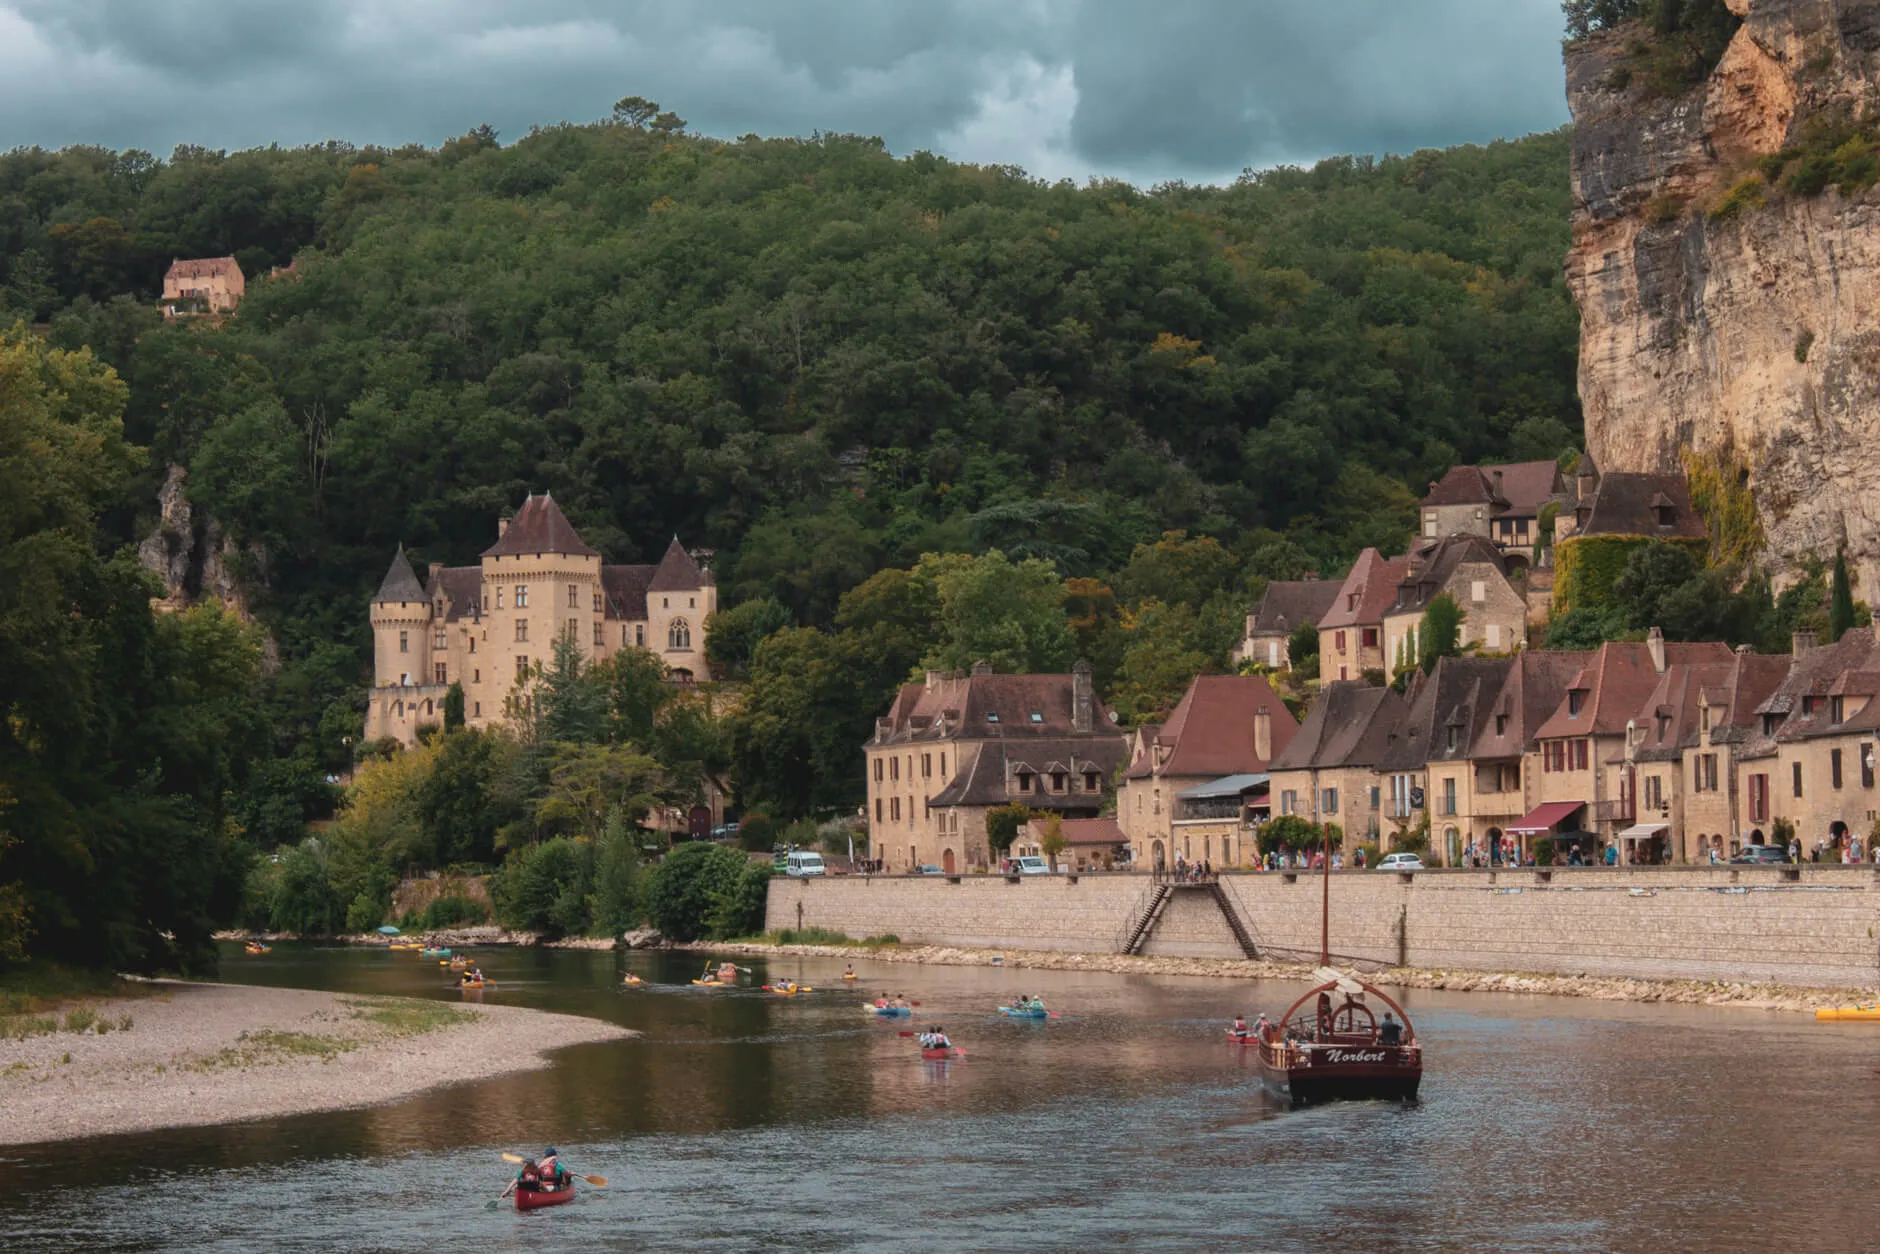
pixel 1848 1014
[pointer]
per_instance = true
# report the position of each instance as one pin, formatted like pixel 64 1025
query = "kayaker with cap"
pixel 552 1171
pixel 1240 1025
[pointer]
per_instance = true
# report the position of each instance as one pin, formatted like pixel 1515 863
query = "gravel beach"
pixel 1685 992
pixel 219 1053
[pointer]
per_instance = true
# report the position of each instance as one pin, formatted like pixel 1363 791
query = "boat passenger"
pixel 1037 1004
pixel 939 1039
pixel 1260 1026
pixel 1240 1025
pixel 530 1177
pixel 1390 1032
pixel 848 971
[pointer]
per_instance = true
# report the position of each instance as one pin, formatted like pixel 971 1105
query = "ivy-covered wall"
pixel 1585 566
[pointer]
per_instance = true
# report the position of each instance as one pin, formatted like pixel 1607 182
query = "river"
pixel 744 1121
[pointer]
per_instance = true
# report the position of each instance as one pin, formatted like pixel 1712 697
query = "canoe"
pixel 1242 1038
pixel 848 975
pixel 1012 1013
pixel 404 945
pixel 788 992
pixel 633 979
pixel 437 953
pixel 257 949
pixel 1848 1014
pixel 472 983
pixel 890 1012
pixel 536 1199
pixel 937 1055
pixel 710 983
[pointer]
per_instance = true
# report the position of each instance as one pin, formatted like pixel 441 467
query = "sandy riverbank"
pixel 219 1053
pixel 1683 992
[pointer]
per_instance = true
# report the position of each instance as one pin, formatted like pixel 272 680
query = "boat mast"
pixel 1325 905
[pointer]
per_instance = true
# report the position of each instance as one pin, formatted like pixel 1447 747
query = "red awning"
pixel 1543 817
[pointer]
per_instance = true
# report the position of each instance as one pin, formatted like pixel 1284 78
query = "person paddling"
pixel 1240 1026
pixel 554 1175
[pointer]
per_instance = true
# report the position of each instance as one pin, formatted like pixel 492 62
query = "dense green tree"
pixel 689 882
pixel 732 636
pixel 1439 635
pixel 1302 647
pixel 992 609
pixel 1840 599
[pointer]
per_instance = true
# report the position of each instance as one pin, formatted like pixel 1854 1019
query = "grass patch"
pixel 406 1017
pixel 19 1027
pixel 825 936
pixel 81 1019
pixel 266 1047
pixel 32 988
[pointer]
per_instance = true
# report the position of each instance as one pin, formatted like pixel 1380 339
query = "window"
pixel 943 766
pixel 1709 762
pixel 404 642
pixel 574 628
pixel 1328 800
pixel 1493 635
pixel 1351 603
pixel 1576 701
pixel 1370 637
pixel 894 809
pixel 665 603
pixel 522 629
pixel 479 710
pixel 1501 724
pixel 1338 641
pixel 877 809
pixel 1449 796
pixel 1343 672
pixel 679 635
pixel 398 708
pixel 522 665
pixel 1836 710
pixel 894 769
pixel 1654 792
pixel 1703 718
pixel 1450 740
pixel 598 629
pixel 473 642
pixel 1797 776
pixel 1376 792
pixel 1866 766
pixel 926 766
pixel 1092 781
pixel 476 676
pixel 1024 781
pixel 1834 768
pixel 1289 802
pixel 437 639
pixel 639 635
pixel 1059 781
pixel 992 716
pixel 597 602
pixel 574 596
pixel 1478 590
pixel 878 770
pixel 691 603
pixel 499 597
pixel 437 669
pixel 1580 755
pixel 1037 717
pixel 1759 798
pixel 1429 524
pixel 522 596
pixel 1272 653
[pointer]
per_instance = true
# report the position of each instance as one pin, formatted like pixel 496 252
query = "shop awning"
pixel 1226 786
pixel 1546 815
pixel 1639 830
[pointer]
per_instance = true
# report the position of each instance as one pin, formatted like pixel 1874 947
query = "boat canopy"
pixel 1547 814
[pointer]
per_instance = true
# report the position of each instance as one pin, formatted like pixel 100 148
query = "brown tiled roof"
pixel 1083 831
pixel 1454 696
pixel 539 527
pixel 1431 564
pixel 202 268
pixel 984 768
pixel 1290 602
pixel 1675 696
pixel 1349 725
pixel 677 571
pixel 1753 678
pixel 1373 582
pixel 1622 505
pixel 956 707
pixel 1211 732
pixel 625 587
pixel 400 582
pixel 1463 485
pixel 462 590
pixel 1528 485
pixel 1531 689
pixel 1618 680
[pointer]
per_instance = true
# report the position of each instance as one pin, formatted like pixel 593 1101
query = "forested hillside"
pixel 817 359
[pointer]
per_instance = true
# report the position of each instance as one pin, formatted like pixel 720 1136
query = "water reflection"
pixel 747 1121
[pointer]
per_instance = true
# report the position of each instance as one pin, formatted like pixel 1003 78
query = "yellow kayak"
pixel 1848 1014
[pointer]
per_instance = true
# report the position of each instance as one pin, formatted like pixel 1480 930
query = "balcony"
pixel 1619 811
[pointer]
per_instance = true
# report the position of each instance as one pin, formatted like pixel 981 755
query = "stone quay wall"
pixel 1812 925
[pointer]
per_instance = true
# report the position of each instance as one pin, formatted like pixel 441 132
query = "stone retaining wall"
pixel 1698 923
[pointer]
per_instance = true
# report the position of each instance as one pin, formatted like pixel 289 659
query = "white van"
pixel 1031 865
pixel 803 862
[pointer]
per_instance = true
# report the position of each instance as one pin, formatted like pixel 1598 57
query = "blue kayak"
pixel 890 1012
pixel 1013 1013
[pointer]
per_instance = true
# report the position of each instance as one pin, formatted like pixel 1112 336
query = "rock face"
pixel 1749 336
pixel 193 556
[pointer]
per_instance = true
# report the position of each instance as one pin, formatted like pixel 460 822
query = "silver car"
pixel 1400 862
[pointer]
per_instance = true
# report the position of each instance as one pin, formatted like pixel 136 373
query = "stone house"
pixel 1224 725
pixel 488 627
pixel 1326 774
pixel 1502 504
pixel 1588 730
pixel 202 285
pixel 1476 798
pixel 1475 575
pixel 1651 769
pixel 1286 605
pixel 1426 757
pixel 1713 813
pixel 1351 634
pixel 954 746
pixel 1089 844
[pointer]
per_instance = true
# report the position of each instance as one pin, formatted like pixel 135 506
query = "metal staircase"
pixel 1151 911
pixel 1232 916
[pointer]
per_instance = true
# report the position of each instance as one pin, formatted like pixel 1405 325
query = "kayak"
pixel 848 975
pixel 405 945
pixel 1028 1013
pixel 437 953
pixel 1242 1038
pixel 890 1012
pixel 536 1199
pixel 940 1054
pixel 1848 1014
pixel 472 983
pixel 788 992
pixel 633 979
pixel 256 947
pixel 710 983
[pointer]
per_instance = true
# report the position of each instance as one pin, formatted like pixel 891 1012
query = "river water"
pixel 744 1121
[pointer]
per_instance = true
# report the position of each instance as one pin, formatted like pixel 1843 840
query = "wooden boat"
pixel 536 1199
pixel 1848 1014
pixel 1242 1038
pixel 937 1054
pixel 1029 1012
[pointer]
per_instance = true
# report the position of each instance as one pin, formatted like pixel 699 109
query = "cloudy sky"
pixel 1146 90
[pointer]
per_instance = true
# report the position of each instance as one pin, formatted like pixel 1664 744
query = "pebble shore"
pixel 1679 992
pixel 219 1053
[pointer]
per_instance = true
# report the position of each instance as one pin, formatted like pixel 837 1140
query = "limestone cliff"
pixel 1717 323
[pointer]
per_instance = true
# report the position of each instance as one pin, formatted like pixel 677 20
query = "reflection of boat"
pixel 937 1054
pixel 1329 1045
pixel 1029 1012
pixel 535 1199
pixel 1848 1014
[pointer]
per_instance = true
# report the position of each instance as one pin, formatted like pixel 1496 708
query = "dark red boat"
pixel 536 1198
pixel 1330 1045
pixel 937 1055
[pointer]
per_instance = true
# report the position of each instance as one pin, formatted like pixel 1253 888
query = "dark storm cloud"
pixel 1173 89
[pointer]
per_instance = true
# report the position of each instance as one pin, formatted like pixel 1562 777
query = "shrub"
pixel 544 887
pixel 1289 830
pixel 615 905
pixel 1804 342
pixel 738 908
pixel 453 910
pixel 1002 824
pixel 1748 193
pixel 682 890
pixel 757 832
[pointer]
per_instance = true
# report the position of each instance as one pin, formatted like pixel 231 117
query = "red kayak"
pixel 535 1199
pixel 941 1054
pixel 1242 1038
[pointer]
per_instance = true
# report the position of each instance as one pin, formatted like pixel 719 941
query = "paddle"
pixel 599 1182
pixel 493 1202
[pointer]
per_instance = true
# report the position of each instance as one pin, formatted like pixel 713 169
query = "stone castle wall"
pixel 1698 923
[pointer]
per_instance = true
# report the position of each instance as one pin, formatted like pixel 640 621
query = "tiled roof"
pixel 1290 602
pixel 1211 732
pixel 1531 689
pixel 203 267
pixel 1753 678
pixel 539 527
pixel 984 768
pixel 1373 583
pixel 1452 697
pixel 1433 562
pixel 677 571
pixel 400 582
pixel 1623 505
pixel 1463 485
pixel 1617 681
pixel 1349 725
pixel 1528 485
pixel 1083 832
pixel 625 587
pixel 972 707
pixel 1668 716
pixel 462 590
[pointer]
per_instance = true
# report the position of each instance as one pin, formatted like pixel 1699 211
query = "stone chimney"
pixel 1801 641
pixel 1083 698
pixel 933 679
pixel 1655 642
pixel 502 525
pixel 1498 495
pixel 1263 735
pixel 432 572
pixel 982 667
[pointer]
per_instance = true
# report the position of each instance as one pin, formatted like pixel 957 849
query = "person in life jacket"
pixel 1240 1025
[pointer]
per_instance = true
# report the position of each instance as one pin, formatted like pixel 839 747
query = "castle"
pixel 486 626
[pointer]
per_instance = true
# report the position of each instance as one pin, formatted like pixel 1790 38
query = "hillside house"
pixel 202 285
pixel 1501 504
pixel 1475 575
pixel 1286 605
pixel 1351 634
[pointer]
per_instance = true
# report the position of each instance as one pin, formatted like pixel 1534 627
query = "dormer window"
pixel 1501 724
pixel 1059 781
pixel 1808 706
pixel 1451 740
pixel 992 716
pixel 1351 601
pixel 1024 781
pixel 1576 701
pixel 1092 781
pixel 1663 513
pixel 1835 710
pixel 1769 724
pixel 1036 717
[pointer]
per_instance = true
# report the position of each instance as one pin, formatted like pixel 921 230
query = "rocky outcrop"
pixel 1744 335
pixel 193 556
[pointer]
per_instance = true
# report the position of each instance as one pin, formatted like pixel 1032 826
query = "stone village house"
pixel 1475 575
pixel 954 746
pixel 486 626
pixel 1501 504
pixel 1328 774
pixel 1351 634
pixel 202 285
pixel 1284 607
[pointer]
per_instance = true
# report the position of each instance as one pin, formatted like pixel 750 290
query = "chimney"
pixel 1655 641
pixel 982 667
pixel 1083 698
pixel 1498 485
pixel 1263 735
pixel 1801 641
pixel 933 679
pixel 433 571
pixel 502 525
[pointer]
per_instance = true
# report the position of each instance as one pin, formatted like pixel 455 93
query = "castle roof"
pixel 462 590
pixel 539 527
pixel 625 587
pixel 677 571
pixel 400 582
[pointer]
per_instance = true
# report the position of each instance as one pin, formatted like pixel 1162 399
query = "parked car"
pixel 929 869
pixel 1032 865
pixel 1400 862
pixel 725 831
pixel 1762 853
pixel 804 862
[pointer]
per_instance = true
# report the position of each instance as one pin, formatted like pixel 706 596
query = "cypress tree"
pixel 1840 600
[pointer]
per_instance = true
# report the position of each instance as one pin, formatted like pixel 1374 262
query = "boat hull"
pixel 1394 1076
pixel 1848 1014
pixel 890 1012
pixel 1010 1013
pixel 537 1199
pixel 936 1055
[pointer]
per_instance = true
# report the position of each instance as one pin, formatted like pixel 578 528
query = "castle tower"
pixel 541 579
pixel 401 654
pixel 678 598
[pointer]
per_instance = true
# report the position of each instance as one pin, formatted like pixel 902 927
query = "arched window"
pixel 679 635
pixel 398 709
